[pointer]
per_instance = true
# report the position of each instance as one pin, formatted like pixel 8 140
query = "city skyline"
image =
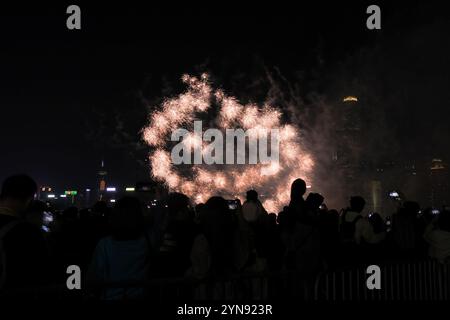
pixel 73 98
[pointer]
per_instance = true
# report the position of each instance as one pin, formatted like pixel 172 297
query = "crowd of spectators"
pixel 214 239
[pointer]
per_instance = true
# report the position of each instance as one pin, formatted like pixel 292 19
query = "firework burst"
pixel 201 181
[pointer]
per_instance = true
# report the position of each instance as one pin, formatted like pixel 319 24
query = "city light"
pixel 63 196
pixel 350 99
pixel 71 192
pixel 50 196
pixel 129 189
pixel 112 200
pixel 88 190
pixel 111 189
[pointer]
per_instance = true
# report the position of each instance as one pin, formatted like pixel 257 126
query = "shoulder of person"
pixel 438 235
pixel 351 216
pixel 24 229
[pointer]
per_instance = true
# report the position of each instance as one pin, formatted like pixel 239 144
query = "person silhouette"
pixel 252 208
pixel 23 251
pixel 126 254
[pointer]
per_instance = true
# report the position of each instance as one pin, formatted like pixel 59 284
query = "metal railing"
pixel 426 280
pixel 408 281
pixel 247 286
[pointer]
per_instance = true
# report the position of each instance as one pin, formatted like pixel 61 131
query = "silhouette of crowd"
pixel 215 239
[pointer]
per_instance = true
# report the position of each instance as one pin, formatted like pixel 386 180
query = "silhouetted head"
pixel 217 225
pixel 70 214
pixel 377 222
pixel 178 206
pixel 314 200
pixel 272 219
pixel 127 221
pixel 17 192
pixel 216 213
pixel 298 188
pixel 252 195
pixel 357 203
pixel 217 205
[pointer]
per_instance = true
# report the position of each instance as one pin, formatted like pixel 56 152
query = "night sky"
pixel 62 92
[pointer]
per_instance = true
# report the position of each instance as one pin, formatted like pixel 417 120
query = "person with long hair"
pixel 125 255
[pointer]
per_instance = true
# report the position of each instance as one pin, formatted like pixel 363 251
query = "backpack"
pixel 347 229
pixel 3 232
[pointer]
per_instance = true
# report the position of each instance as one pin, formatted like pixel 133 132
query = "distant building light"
pixel 437 164
pixel 88 190
pixel 350 99
pixel 63 196
pixel 111 189
pixel 50 196
pixel 71 192
pixel 129 189
pixel 112 200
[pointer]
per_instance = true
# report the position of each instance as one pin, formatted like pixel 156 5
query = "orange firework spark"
pixel 201 181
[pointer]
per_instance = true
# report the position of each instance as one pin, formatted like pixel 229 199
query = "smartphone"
pixel 233 204
pixel 394 194
pixel 47 218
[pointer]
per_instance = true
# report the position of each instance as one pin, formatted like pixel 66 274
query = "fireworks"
pixel 201 181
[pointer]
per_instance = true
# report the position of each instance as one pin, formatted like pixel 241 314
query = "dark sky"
pixel 57 85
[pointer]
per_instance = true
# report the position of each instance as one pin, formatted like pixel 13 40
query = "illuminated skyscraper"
pixel 102 173
pixel 347 151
